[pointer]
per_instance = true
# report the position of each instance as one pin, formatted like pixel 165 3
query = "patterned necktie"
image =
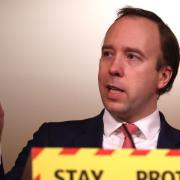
pixel 128 130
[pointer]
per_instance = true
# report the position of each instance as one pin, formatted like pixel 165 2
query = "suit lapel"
pixel 90 133
pixel 168 136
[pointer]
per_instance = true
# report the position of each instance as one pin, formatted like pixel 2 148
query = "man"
pixel 139 62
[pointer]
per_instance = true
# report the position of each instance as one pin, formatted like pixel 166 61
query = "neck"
pixel 131 118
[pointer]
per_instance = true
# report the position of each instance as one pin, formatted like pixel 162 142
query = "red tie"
pixel 128 130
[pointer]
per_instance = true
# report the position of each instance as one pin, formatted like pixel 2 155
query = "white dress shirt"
pixel 146 138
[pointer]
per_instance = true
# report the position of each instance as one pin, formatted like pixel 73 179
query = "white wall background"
pixel 49 53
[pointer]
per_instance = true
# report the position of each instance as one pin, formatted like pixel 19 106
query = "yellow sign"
pixel 101 164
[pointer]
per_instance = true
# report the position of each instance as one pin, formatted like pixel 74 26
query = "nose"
pixel 117 67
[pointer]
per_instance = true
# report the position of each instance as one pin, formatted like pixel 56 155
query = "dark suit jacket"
pixel 84 133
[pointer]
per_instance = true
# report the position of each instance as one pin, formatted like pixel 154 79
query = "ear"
pixel 165 74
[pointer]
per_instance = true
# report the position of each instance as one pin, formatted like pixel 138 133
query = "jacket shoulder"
pixel 72 124
pixel 169 137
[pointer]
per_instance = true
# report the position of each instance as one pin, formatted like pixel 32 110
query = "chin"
pixel 116 108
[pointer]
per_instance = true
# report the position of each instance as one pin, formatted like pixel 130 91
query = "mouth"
pixel 113 88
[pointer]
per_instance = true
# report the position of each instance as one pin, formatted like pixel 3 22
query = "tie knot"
pixel 131 128
pixel 128 130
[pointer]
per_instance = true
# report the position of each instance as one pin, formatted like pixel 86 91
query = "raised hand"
pixel 1 120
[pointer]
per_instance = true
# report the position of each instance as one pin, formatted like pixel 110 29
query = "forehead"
pixel 135 32
pixel 135 25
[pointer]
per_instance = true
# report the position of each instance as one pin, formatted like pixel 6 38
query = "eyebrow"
pixel 130 49
pixel 125 49
pixel 106 46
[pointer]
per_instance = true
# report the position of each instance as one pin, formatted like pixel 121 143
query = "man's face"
pixel 128 79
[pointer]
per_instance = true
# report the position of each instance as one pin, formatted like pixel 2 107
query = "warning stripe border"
pixel 36 151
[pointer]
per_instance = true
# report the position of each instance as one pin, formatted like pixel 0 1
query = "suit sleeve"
pixel 40 139
pixel 2 175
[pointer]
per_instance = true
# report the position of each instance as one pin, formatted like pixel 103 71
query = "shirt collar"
pixel 149 126
pixel 110 124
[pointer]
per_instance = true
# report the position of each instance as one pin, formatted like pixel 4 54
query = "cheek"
pixel 146 83
pixel 99 76
pixel 101 79
pixel 102 72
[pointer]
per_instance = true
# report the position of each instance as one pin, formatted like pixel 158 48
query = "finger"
pixel 1 119
pixel 1 112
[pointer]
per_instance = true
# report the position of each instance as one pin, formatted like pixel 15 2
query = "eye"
pixel 107 53
pixel 132 56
